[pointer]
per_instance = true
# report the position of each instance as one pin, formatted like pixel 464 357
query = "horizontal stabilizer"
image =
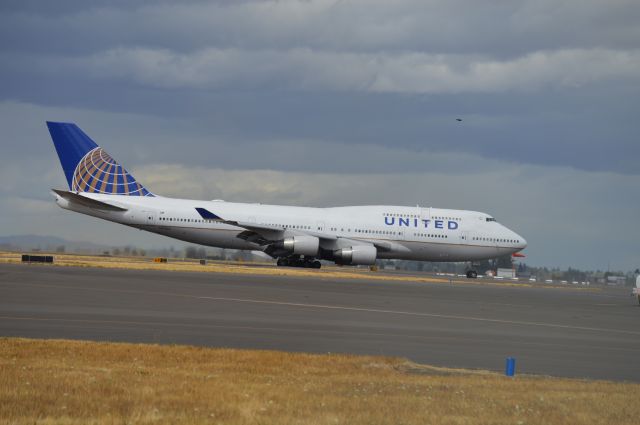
pixel 87 202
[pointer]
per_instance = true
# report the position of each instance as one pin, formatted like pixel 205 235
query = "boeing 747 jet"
pixel 295 236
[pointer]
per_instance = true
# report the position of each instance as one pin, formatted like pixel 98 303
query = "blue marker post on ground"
pixel 510 369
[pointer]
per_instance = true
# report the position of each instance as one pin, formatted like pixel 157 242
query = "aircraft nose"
pixel 520 242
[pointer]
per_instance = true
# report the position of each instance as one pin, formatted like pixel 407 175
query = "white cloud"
pixel 29 207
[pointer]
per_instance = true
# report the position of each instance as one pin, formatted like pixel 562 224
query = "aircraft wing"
pixel 254 226
pixel 384 246
pixel 76 198
pixel 262 234
pixel 266 229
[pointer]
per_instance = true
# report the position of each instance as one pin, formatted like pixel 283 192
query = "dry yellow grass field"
pixel 142 263
pixel 71 382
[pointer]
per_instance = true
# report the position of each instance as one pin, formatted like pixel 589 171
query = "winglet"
pixel 207 215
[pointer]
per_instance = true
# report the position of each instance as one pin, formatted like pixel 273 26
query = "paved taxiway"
pixel 564 332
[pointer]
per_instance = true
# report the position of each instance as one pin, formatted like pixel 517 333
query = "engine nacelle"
pixel 358 254
pixel 301 245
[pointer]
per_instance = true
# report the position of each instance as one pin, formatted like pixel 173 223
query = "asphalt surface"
pixel 561 332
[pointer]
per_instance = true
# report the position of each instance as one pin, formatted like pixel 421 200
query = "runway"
pixel 561 332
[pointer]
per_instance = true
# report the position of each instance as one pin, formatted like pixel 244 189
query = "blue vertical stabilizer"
pixel 88 167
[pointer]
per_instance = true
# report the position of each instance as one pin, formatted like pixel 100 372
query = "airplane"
pixel 296 236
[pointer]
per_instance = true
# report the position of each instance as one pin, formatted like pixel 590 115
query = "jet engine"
pixel 301 245
pixel 355 255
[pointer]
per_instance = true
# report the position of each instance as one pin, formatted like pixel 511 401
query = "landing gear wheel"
pixel 317 265
pixel 282 262
pixel 472 274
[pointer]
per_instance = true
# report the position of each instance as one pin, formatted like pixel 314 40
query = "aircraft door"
pixel 149 217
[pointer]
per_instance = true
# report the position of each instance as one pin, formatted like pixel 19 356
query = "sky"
pixel 328 103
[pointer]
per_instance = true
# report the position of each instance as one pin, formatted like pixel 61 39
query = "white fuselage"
pixel 410 233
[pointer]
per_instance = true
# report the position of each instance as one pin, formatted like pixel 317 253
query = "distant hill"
pixel 48 243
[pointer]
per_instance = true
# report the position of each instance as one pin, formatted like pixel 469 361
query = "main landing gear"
pixel 471 270
pixel 308 263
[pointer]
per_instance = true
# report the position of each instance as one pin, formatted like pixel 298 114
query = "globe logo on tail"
pixel 98 172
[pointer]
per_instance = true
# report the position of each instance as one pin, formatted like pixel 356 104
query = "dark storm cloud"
pixel 593 129
pixel 536 82
pixel 447 26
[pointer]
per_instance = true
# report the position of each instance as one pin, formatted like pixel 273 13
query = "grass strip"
pixel 76 382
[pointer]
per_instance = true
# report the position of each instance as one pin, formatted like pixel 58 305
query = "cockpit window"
pixel 491 219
